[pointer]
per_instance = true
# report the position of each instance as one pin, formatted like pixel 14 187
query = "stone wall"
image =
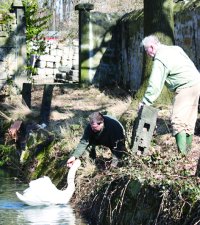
pixel 59 63
pixel 126 67
pixel 7 48
pixel 105 48
pixel 116 58
pixel 13 45
pixel 187 32
pixel 8 62
pixel 131 57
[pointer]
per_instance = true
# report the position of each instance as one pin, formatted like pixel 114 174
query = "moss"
pixel 181 6
pixel 9 156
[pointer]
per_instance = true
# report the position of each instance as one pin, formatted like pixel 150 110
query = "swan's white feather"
pixel 43 192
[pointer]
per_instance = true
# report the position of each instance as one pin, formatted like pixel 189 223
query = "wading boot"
pixel 181 142
pixel 189 141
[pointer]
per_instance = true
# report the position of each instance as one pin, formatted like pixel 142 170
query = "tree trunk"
pixel 158 20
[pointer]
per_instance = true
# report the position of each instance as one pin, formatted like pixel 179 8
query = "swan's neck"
pixel 71 175
pixel 68 192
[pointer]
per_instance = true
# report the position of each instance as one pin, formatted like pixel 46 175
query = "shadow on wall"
pixel 103 56
pixel 116 57
pixel 13 56
pixel 116 50
pixel 106 73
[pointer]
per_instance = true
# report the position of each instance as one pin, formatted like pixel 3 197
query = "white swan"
pixel 43 192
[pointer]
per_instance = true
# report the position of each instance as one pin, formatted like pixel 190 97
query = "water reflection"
pixel 14 212
pixel 48 215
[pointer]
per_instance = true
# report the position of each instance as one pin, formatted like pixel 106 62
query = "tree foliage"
pixel 4 11
pixel 36 22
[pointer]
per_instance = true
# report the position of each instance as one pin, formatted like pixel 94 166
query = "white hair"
pixel 151 39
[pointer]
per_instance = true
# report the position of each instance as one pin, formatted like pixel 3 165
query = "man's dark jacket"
pixel 111 136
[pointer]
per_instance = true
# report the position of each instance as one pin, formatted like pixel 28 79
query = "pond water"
pixel 14 212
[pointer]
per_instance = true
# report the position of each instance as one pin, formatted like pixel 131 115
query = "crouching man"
pixel 101 130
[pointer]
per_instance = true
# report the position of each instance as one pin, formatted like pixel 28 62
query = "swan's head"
pixel 77 163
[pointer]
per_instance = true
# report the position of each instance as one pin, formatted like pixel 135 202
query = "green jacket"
pixel 172 67
pixel 112 136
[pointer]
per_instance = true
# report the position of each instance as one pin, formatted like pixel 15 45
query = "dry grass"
pixel 69 114
pixel 70 108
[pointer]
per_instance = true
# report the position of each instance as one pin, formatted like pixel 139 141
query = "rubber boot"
pixel 189 141
pixel 181 142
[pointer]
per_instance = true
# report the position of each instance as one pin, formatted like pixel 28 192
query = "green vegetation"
pixel 4 11
pixel 148 189
pixel 162 185
pixel 36 22
pixel 9 156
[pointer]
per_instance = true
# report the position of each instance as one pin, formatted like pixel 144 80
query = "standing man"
pixel 172 67
pixel 101 130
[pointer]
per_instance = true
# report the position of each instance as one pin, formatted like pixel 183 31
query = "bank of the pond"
pixel 144 193
pixel 161 187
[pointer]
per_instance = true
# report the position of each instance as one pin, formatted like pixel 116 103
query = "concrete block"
pixel 53 52
pixel 49 58
pixel 67 50
pixel 143 129
pixel 57 65
pixel 41 71
pixel 49 71
pixel 50 64
pixel 59 52
pixel 57 58
pixel 41 64
pixel 64 69
pixel 55 71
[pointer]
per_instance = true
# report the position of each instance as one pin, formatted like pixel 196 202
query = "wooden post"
pixel 46 103
pixel 26 94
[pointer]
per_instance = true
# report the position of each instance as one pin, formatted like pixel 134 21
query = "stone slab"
pixel 143 129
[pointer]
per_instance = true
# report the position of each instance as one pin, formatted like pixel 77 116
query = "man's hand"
pixel 71 161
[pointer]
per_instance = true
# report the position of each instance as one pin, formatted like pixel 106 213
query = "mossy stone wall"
pixel 117 55
pixel 187 31
pixel 105 50
pixel 13 45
